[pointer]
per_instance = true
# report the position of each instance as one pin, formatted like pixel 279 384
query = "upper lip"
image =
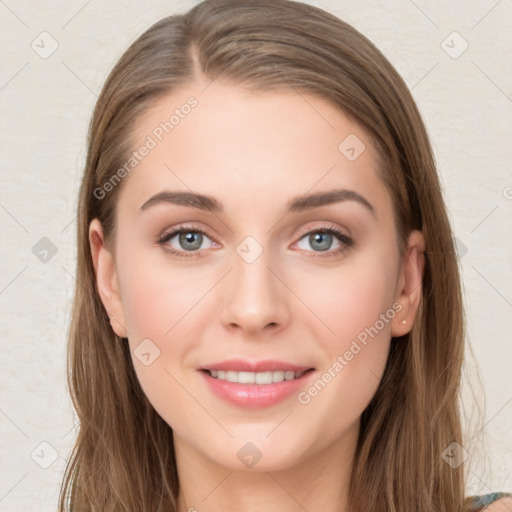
pixel 240 365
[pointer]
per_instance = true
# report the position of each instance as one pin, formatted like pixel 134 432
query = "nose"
pixel 254 300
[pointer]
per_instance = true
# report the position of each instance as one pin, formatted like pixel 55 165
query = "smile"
pixel 263 378
pixel 256 390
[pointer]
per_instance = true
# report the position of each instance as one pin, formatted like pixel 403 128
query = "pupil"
pixel 321 240
pixel 191 240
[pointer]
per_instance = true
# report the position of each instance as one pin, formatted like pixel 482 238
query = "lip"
pixel 255 396
pixel 241 365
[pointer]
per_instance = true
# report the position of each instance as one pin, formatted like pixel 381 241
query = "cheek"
pixel 164 307
pixel 355 304
pixel 158 298
pixel 160 303
pixel 351 299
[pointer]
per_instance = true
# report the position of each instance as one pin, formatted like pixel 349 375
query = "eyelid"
pixel 324 226
pixel 183 227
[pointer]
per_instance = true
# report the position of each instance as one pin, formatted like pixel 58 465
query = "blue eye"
pixel 322 240
pixel 188 240
pixel 185 241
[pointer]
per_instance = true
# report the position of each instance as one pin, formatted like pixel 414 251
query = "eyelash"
pixel 345 240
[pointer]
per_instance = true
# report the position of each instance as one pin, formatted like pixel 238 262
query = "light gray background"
pixel 46 105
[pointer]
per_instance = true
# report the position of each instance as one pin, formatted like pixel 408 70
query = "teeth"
pixel 246 377
pixel 231 376
pixel 254 378
pixel 264 378
pixel 277 376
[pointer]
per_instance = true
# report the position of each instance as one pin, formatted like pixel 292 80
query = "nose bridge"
pixel 254 297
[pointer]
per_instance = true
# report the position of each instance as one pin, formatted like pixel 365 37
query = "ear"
pixel 410 284
pixel 106 279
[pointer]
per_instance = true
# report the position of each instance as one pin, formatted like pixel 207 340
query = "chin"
pixel 254 454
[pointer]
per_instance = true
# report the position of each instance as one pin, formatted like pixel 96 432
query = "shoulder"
pixel 501 505
pixel 493 502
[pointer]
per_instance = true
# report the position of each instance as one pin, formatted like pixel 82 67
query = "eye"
pixel 328 239
pixel 185 239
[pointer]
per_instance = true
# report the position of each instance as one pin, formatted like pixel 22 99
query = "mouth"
pixel 261 378
pixel 255 385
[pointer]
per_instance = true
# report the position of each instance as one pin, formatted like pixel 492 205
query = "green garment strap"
pixel 487 499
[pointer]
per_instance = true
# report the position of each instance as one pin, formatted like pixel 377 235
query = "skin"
pixel 254 152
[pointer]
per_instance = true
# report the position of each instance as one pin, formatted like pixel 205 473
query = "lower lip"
pixel 255 396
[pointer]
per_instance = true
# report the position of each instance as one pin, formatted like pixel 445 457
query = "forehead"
pixel 242 145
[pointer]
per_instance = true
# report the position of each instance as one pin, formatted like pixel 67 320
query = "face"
pixel 260 317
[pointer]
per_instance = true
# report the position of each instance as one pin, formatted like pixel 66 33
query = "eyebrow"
pixel 297 204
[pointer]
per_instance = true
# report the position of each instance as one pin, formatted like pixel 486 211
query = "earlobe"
pixel 106 278
pixel 410 284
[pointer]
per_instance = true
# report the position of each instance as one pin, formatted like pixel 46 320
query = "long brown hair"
pixel 123 459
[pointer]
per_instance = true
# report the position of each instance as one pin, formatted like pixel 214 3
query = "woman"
pixel 269 313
